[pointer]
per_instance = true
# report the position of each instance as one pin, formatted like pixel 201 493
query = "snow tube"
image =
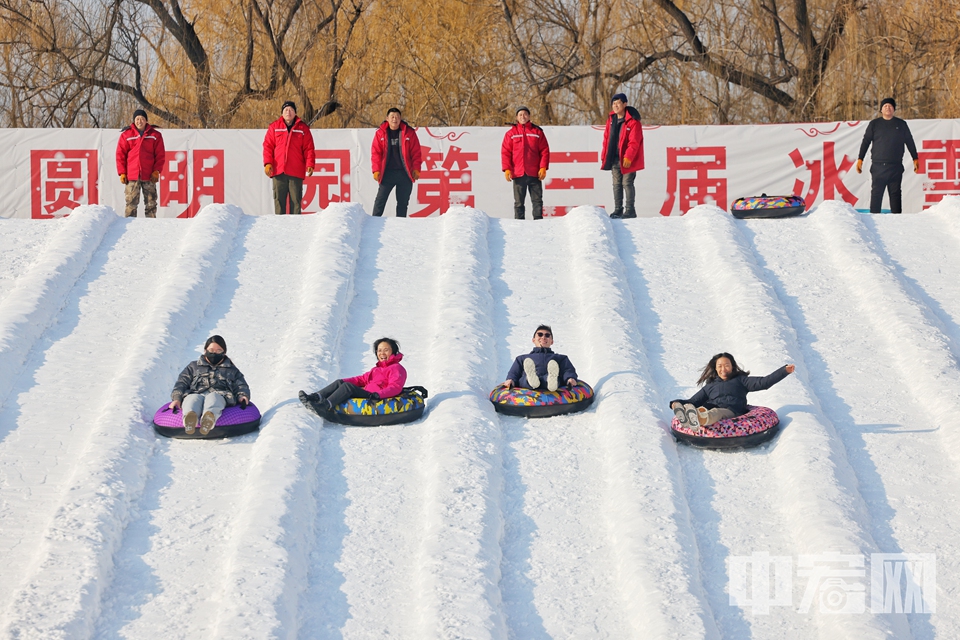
pixel 531 403
pixel 366 412
pixel 756 426
pixel 234 421
pixel 768 207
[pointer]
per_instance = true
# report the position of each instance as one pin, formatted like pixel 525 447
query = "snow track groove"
pixel 59 596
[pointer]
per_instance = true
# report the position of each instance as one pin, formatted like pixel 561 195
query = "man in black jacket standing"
pixel 888 135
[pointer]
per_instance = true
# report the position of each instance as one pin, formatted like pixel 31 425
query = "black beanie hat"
pixel 519 109
pixel 140 112
pixel 288 103
pixel 220 341
pixel 889 101
pixel 622 97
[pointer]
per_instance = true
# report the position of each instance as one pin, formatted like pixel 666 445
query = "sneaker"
pixel 190 423
pixel 207 423
pixel 530 369
pixel 680 413
pixel 693 420
pixel 553 375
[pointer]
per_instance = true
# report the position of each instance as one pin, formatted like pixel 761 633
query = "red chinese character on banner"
pixel 62 180
pixel 940 160
pixel 440 184
pixel 831 174
pixel 588 158
pixel 330 181
pixel 697 186
pixel 207 180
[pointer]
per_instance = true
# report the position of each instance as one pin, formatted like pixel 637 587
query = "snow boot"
pixel 680 413
pixel 693 418
pixel 207 423
pixel 530 368
pixel 553 375
pixel 190 423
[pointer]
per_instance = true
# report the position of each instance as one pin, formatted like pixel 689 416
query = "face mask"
pixel 214 358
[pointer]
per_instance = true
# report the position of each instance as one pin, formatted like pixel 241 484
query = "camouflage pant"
pixel 132 191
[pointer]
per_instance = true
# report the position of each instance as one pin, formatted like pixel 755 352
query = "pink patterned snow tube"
pixel 758 425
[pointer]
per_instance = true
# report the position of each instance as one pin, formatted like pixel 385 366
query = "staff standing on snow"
pixel 209 385
pixel 288 158
pixel 140 156
pixel 622 154
pixel 525 158
pixel 395 160
pixel 888 135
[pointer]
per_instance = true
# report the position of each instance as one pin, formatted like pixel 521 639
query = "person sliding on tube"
pixel 385 380
pixel 724 392
pixel 208 386
pixel 541 368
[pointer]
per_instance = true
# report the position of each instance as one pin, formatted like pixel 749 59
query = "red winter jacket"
pixel 409 149
pixel 385 379
pixel 290 152
pixel 525 150
pixel 631 140
pixel 140 154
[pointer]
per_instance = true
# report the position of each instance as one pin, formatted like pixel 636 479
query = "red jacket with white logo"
pixel 409 149
pixel 631 141
pixel 291 152
pixel 140 154
pixel 525 150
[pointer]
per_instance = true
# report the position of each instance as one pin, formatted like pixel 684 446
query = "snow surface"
pixel 467 524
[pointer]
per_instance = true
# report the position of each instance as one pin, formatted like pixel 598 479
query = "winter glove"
pixel 860 165
pixel 542 174
pixel 626 163
pixel 268 169
pixel 416 174
pixel 243 402
pixel 916 166
pixel 508 175
pixel 309 171
pixel 155 177
pixel 376 176
pixel 123 178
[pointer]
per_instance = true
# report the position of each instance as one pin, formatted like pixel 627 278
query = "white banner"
pixel 51 171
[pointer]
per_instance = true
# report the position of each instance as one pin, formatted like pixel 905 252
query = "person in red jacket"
pixel 622 154
pixel 140 156
pixel 395 159
pixel 524 160
pixel 385 380
pixel 288 158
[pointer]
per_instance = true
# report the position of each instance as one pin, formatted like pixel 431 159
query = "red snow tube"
pixel 234 421
pixel 756 426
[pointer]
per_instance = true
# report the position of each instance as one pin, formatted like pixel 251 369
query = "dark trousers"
pixel 404 185
pixel 520 186
pixel 338 391
pixel 886 176
pixel 285 186
pixel 623 189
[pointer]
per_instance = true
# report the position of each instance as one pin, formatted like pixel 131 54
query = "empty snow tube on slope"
pixel 531 403
pixel 768 207
pixel 756 426
pixel 366 412
pixel 234 421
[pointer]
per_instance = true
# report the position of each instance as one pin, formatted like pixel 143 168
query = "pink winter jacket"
pixel 385 379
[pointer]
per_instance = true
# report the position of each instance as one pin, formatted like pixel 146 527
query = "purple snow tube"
pixel 756 426
pixel 234 421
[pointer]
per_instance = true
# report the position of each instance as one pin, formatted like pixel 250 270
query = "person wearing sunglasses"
pixel 541 368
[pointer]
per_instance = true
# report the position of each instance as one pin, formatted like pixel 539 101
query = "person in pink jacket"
pixel 140 157
pixel 524 160
pixel 385 380
pixel 288 157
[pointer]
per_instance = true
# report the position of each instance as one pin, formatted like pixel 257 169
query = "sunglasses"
pixel 541 334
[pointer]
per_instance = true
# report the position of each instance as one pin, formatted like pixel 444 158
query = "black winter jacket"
pixel 201 377
pixel 732 394
pixel 888 137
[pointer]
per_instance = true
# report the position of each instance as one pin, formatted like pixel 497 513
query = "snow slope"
pixel 467 524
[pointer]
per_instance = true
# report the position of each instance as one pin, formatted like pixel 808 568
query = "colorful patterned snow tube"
pixel 530 403
pixel 756 426
pixel 366 412
pixel 234 421
pixel 768 207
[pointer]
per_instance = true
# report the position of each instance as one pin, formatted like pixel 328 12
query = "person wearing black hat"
pixel 622 154
pixel 524 160
pixel 289 157
pixel 207 386
pixel 888 135
pixel 140 157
